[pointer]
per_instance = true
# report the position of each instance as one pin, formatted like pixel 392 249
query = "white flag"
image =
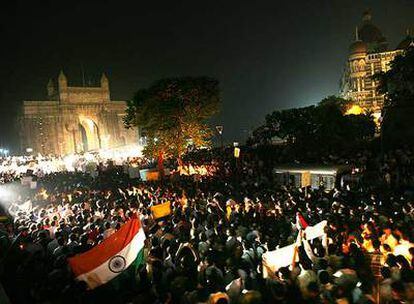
pixel 315 231
pixel 282 257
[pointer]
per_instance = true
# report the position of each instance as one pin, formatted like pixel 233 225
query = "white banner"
pixel 282 257
pixel 316 231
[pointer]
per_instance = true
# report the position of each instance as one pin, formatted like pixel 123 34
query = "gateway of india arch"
pixel 74 119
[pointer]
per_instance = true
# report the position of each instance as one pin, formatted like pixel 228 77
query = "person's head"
pixel 251 297
pixel 84 239
pixel 397 290
pixel 73 237
pixel 353 248
pixel 155 242
pixel 376 244
pixel 33 227
pixel 107 225
pixel 386 247
pixel 387 230
pixel 313 289
pixel 306 264
pixel 43 235
pixel 222 301
pixel 332 249
pixel 322 264
pixel 61 241
pixel 386 272
pixel 284 273
pixel 323 277
pixel 391 260
pixel 402 261
pixel 276 289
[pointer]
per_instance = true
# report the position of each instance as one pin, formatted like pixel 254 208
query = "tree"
pixel 173 113
pixel 321 127
pixel 336 103
pixel 360 127
pixel 292 125
pixel 397 84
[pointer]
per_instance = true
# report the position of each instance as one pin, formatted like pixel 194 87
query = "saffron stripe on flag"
pixel 101 253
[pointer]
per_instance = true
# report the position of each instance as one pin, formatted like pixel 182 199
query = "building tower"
pixel 368 56
pixel 51 89
pixel 372 35
pixel 105 87
pixel 62 87
pixel 356 64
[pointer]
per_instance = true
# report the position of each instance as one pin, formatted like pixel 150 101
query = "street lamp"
pixel 220 132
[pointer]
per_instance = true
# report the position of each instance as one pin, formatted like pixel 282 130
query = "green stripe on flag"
pixel 128 276
pixel 122 288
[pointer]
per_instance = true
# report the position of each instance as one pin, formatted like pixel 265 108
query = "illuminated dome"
pixel 371 35
pixel 358 47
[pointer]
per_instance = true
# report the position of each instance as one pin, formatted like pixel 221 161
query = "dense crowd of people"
pixel 210 248
pixel 14 167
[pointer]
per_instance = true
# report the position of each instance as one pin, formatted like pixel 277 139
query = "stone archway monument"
pixel 74 119
pixel 91 138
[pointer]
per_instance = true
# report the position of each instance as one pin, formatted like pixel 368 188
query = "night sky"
pixel 267 55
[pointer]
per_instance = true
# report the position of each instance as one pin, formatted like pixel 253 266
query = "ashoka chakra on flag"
pixel 117 264
pixel 115 255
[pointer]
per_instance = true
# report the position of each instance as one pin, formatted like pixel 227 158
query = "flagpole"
pixel 298 240
pixel 294 257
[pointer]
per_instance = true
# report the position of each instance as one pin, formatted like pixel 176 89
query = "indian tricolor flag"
pixel 118 254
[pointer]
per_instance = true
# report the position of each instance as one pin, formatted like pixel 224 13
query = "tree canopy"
pixel 398 83
pixel 322 126
pixel 398 86
pixel 173 114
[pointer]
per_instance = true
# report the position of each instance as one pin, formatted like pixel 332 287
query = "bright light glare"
pixel 354 110
pixel 5 194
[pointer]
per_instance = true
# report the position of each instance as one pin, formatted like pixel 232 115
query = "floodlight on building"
pixel 354 110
